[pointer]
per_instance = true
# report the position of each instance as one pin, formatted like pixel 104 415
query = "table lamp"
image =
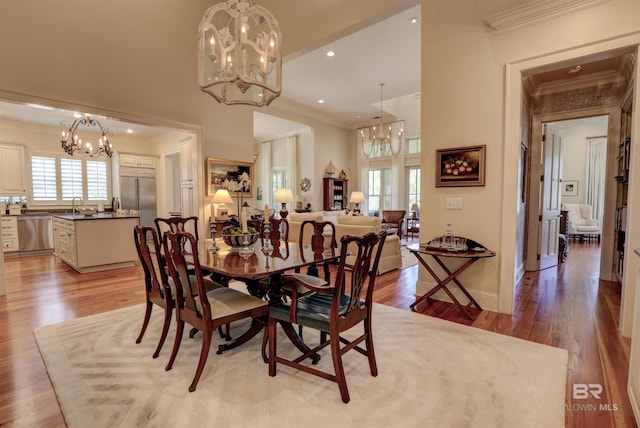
pixel 414 209
pixel 283 196
pixel 222 198
pixel 356 198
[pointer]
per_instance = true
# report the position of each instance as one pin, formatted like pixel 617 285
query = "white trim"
pixel 512 121
pixel 533 12
pixel 487 300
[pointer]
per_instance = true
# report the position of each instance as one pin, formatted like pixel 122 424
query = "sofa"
pixel 580 221
pixel 295 221
pixel 391 257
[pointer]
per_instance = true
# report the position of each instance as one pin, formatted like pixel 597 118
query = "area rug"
pixel 408 259
pixel 432 373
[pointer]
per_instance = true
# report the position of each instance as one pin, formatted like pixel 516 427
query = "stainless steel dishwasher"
pixel 35 233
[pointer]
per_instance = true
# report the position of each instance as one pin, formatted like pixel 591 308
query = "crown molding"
pixel 535 12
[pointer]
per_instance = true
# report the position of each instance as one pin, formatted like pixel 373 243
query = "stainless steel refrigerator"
pixel 138 192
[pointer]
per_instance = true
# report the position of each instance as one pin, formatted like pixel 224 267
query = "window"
pixel 379 195
pixel 413 186
pixel 43 178
pixel 279 179
pixel 413 146
pixel 71 178
pixel 97 189
pixel 57 179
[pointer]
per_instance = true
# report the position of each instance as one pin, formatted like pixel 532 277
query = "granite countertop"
pixel 97 216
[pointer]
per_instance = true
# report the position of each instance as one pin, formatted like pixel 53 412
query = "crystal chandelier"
pixel 376 142
pixel 72 143
pixel 240 53
pixel 383 140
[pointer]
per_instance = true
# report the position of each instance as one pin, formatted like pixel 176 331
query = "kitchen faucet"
pixel 73 204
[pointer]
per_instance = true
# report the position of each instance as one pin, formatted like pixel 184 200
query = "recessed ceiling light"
pixel 320 101
pixel 129 131
pixel 330 53
pixel 575 69
pixel 413 19
pixel 77 115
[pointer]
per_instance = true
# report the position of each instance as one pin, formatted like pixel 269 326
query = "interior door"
pixel 550 198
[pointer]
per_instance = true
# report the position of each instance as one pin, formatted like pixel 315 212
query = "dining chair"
pixel 157 288
pixel 333 309
pixel 204 310
pixel 177 224
pixel 278 229
pixel 317 240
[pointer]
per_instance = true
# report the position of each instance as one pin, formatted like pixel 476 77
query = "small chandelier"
pixel 240 53
pixel 72 143
pixel 374 142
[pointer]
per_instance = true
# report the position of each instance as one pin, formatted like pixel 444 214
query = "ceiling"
pixel 349 83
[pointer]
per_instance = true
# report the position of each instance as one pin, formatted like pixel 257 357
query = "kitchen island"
pixel 95 243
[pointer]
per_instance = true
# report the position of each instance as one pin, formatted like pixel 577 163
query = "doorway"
pixel 566 136
pixel 519 115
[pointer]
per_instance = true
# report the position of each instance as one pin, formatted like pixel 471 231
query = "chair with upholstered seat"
pixel 318 237
pixel 394 220
pixel 157 289
pixel 204 310
pixel 333 309
pixel 580 221
pixel 177 224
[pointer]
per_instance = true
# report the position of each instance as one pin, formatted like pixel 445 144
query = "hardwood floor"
pixel 566 307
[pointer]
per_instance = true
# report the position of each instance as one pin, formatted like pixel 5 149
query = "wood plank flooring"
pixel 566 307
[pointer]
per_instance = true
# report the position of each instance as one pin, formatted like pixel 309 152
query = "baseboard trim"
pixel 485 299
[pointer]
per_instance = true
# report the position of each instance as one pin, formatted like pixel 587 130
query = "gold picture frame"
pixel 219 170
pixel 461 166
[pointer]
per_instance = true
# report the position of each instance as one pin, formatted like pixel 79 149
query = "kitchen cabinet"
pixel 188 203
pixel 64 240
pixel 335 193
pixel 96 243
pixel 137 161
pixel 12 170
pixel 9 234
pixel 186 162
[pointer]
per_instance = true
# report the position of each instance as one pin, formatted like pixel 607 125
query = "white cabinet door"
pixel 12 170
pixel 186 162
pixel 137 161
pixel 187 201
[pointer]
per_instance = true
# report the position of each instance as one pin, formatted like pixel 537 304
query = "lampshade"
pixel 356 197
pixel 240 53
pixel 222 196
pixel 284 195
pixel 415 207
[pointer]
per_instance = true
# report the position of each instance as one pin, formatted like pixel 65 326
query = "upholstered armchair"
pixel 394 219
pixel 580 221
pixel 391 257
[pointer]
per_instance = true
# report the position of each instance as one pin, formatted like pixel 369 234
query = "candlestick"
pixel 243 219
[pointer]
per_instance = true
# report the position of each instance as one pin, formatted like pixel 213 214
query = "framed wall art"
pixel 569 188
pixel 460 166
pixel 235 176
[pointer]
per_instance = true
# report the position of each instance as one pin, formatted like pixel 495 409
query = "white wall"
pixel 463 103
pixel 574 160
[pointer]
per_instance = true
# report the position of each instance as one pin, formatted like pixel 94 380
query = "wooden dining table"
pixel 261 271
